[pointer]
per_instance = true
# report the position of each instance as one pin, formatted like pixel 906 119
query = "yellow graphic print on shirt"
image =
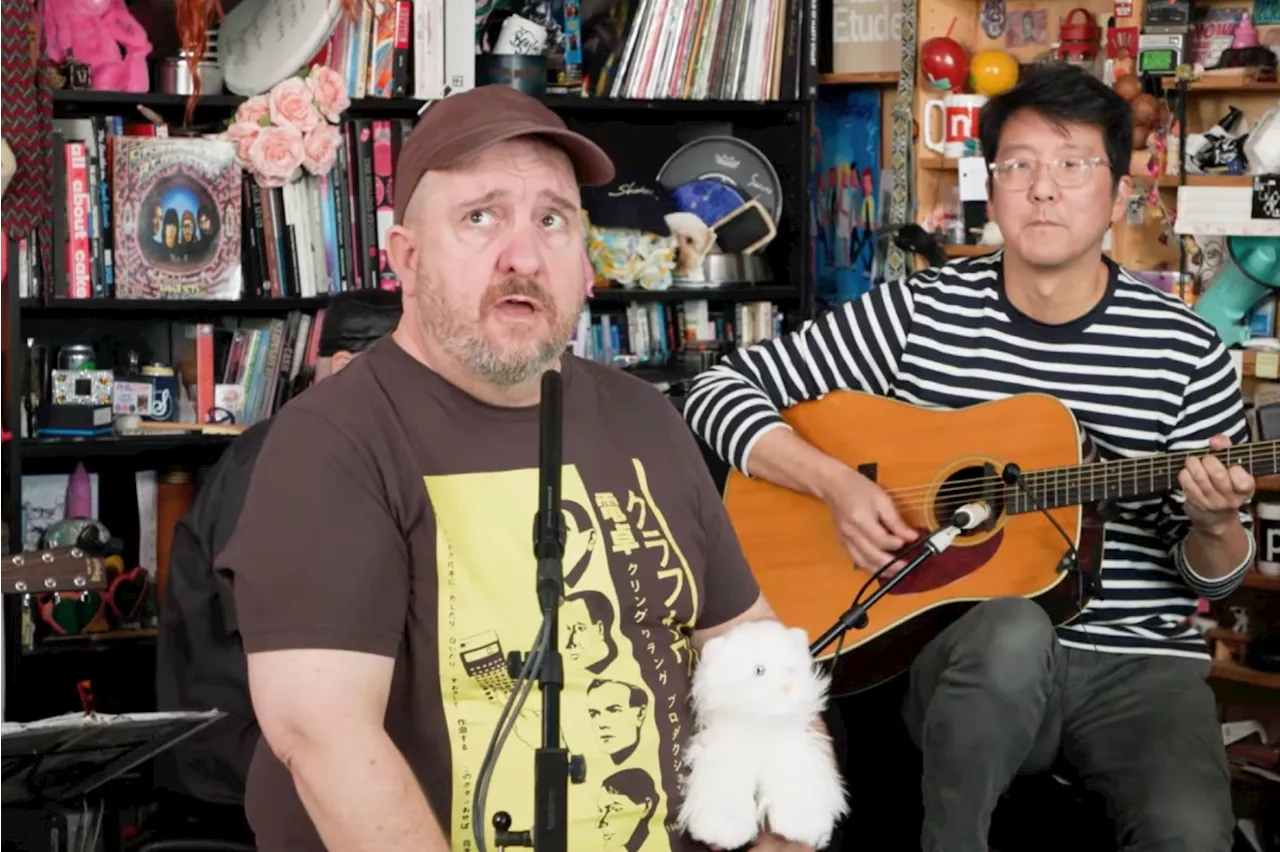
pixel 622 716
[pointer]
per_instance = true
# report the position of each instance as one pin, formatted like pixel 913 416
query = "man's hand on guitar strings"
pixel 867 521
pixel 1214 493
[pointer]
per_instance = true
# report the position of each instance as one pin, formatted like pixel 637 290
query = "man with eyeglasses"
pixel 1118 697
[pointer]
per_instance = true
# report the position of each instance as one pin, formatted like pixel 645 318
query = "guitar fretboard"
pixel 1128 479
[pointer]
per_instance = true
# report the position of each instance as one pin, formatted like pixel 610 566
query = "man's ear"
pixel 341 358
pixel 401 252
pixel 1119 206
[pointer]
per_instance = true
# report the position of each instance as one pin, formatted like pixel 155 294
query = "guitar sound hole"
pixel 979 483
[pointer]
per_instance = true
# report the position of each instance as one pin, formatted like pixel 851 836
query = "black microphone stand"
pixel 553 767
pixel 855 617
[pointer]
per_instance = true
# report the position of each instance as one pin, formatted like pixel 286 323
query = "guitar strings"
pixel 1090 475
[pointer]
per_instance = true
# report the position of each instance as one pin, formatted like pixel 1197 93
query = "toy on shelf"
pixel 103 35
pixel 992 72
pixel 944 62
pixel 1149 112
pixel 1079 40
pixel 1162 46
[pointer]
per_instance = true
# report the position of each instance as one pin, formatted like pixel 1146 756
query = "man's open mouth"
pixel 519 306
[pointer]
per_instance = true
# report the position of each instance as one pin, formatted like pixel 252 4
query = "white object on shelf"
pixel 1212 211
pixel 263 42
pixel 1262 148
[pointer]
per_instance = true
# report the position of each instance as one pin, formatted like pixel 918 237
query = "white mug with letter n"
pixel 958 114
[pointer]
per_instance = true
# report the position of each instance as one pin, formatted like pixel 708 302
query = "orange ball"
pixel 992 72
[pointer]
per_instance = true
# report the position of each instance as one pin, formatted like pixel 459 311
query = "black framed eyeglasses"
pixel 1069 172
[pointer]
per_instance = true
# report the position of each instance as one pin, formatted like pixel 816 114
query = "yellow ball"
pixel 992 72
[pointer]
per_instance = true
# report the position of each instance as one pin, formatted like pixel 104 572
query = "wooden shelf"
pixel 938 164
pixel 969 251
pixel 1242 674
pixel 1260 582
pixel 100 640
pixel 1172 182
pixel 1225 84
pixel 886 78
pixel 1270 482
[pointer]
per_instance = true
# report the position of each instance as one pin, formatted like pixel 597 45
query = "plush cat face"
pixel 759 670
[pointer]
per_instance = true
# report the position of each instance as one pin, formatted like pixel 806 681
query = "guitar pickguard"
pixel 948 566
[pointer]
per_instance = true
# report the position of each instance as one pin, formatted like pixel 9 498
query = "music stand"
pixel 63 759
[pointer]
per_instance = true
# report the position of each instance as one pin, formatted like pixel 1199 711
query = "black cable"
pixel 1012 475
pixel 520 690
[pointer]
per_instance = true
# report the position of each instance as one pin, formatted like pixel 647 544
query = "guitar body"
pixel 930 462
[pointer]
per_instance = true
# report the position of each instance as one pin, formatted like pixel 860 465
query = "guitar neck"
pixel 1128 479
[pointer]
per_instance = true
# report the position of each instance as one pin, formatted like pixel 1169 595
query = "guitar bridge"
pixel 868 470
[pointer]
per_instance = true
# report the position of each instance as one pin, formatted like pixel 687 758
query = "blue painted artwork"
pixel 844 190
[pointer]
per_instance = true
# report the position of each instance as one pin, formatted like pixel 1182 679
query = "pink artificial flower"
pixel 330 91
pixel 276 155
pixel 293 104
pixel 320 149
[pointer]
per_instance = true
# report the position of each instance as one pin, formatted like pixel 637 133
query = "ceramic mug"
pixel 1267 527
pixel 959 117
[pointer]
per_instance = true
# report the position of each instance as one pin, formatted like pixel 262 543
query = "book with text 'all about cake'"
pixel 177 219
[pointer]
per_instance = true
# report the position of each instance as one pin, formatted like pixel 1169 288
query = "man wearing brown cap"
pixel 384 567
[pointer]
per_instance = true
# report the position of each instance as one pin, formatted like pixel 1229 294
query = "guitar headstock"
pixel 59 569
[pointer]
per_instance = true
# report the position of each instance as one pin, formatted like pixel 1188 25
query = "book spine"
pixel 79 250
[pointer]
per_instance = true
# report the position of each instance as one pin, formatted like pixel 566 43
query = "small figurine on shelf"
pixel 72 74
pixel 104 36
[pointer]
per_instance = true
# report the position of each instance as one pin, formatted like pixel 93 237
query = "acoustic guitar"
pixel 1023 456
pixel 58 569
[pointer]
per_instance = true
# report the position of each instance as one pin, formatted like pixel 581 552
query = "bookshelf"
pixel 639 134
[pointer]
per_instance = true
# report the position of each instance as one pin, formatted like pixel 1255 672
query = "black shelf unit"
pixel 639 133
pixel 91 102
pixel 161 308
pixel 131 446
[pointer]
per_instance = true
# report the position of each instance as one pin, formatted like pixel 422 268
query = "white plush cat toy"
pixel 755 760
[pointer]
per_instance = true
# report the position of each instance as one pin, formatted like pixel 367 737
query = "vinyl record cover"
pixel 177 218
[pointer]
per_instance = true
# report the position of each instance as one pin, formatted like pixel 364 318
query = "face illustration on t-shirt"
pixel 626 803
pixel 617 712
pixel 586 627
pixel 625 622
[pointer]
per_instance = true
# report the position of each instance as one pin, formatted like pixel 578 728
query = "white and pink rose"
pixel 292 128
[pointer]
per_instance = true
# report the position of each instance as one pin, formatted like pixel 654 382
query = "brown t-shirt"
pixel 390 513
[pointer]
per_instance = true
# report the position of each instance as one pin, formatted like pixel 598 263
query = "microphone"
pixel 554 768
pixel 548 525
pixel 970 516
pixel 966 518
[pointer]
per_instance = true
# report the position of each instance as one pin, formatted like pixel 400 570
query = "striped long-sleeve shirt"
pixel 1141 373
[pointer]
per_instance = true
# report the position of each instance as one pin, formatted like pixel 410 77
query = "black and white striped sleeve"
pixel 1212 405
pixel 857 346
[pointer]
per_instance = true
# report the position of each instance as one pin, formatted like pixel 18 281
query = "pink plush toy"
pixel 103 35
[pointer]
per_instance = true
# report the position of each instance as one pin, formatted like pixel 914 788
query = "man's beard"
pixel 469 345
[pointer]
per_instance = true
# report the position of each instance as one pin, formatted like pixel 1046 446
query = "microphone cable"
pixel 520 690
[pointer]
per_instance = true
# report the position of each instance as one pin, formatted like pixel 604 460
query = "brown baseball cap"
pixel 462 124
